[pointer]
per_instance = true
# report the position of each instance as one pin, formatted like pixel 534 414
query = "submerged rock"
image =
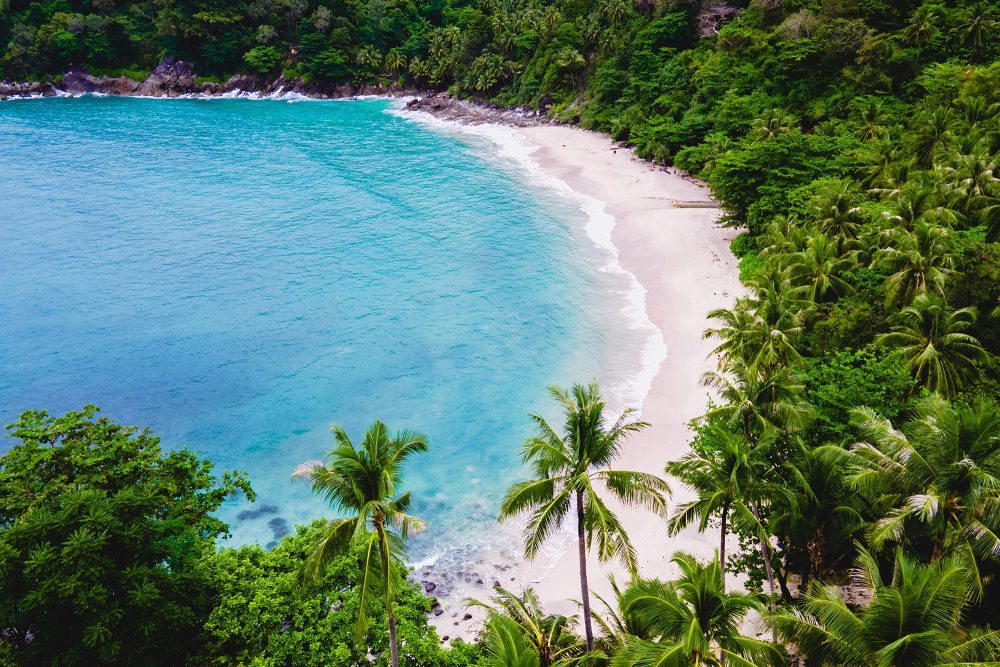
pixel 278 526
pixel 257 512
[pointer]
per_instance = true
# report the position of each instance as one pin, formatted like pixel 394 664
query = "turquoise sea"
pixel 238 274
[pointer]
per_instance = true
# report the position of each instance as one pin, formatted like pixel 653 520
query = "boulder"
pixel 171 78
pixel 77 80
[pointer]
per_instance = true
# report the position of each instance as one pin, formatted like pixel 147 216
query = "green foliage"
pixel 262 59
pixel 837 383
pixel 263 616
pixel 103 537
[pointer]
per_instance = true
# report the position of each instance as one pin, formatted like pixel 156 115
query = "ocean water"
pixel 239 274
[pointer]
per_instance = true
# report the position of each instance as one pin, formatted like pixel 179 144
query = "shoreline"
pixel 659 227
pixel 666 235
pixel 663 234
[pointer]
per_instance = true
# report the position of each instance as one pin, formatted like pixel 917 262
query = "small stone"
pixel 467 617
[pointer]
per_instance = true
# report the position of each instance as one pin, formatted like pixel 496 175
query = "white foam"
pixel 515 147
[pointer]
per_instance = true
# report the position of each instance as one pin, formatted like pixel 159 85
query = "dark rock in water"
pixel 429 586
pixel 444 106
pixel 467 617
pixel 10 89
pixel 171 78
pixel 77 80
pixel 438 611
pixel 445 638
pixel 257 512
pixel 279 527
pixel 479 582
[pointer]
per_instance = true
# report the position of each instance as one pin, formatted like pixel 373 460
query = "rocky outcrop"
pixel 446 107
pixel 78 80
pixel 171 78
pixel 10 89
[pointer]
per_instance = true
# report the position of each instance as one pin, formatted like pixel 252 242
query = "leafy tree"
pixel 566 470
pixel 264 616
pixel 362 482
pixel 262 59
pixel 102 540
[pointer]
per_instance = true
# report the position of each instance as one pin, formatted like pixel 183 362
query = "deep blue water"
pixel 239 274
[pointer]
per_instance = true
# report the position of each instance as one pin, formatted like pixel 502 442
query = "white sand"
pixel 682 258
pixel 666 236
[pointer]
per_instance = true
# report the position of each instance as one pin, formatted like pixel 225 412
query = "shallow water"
pixel 239 274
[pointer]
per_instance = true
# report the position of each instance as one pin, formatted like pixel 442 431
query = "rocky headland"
pixel 177 78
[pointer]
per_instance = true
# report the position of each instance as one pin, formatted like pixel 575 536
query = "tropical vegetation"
pixel 847 463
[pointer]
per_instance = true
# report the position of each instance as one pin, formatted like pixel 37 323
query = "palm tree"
pixel 395 60
pixel 839 213
pixel 724 477
pixel 773 123
pixel 922 28
pixel 363 484
pixel 815 270
pixel 930 336
pixel 976 25
pixel 873 120
pixel 686 620
pixel 762 329
pixel 759 403
pixel 566 468
pixel 817 515
pixel 922 261
pixel 941 470
pixel 912 622
pixel 518 632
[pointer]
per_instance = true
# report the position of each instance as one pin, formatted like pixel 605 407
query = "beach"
pixel 665 235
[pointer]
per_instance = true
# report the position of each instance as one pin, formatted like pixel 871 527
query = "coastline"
pixel 659 225
pixel 665 235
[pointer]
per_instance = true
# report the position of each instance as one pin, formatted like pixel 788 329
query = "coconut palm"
pixel 688 620
pixel 923 26
pixel 759 403
pixel 815 270
pixel 976 25
pixel 773 123
pixel 912 622
pixel 574 469
pixel 763 328
pixel 363 483
pixel 930 336
pixel 817 515
pixel 724 475
pixel 395 61
pixel 873 121
pixel 518 632
pixel 921 261
pixel 940 471
pixel 839 216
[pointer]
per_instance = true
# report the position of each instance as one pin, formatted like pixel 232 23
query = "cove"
pixel 239 274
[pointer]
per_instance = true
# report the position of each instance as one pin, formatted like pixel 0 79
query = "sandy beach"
pixel 666 236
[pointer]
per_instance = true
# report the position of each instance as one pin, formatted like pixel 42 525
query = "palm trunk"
pixel 765 550
pixel 584 588
pixel 393 649
pixel 722 559
pixel 384 548
pixel 722 540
